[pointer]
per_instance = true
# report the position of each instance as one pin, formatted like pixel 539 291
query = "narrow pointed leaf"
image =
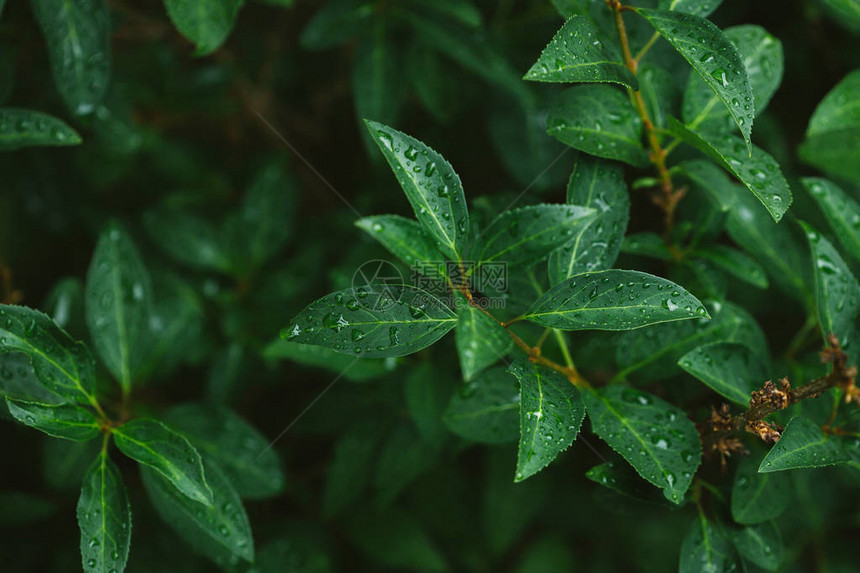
pixel 377 84
pixel 151 443
pixel 63 366
pixel 430 184
pixel 576 54
pixel 710 179
pixel 207 23
pixel 833 135
pixel 759 172
pixel 26 128
pixel 841 211
pixel 756 497
pixel 613 300
pixel 118 304
pixel 761 544
pixel 527 235
pixel 705 549
pixel 655 437
pixel 730 369
pixel 599 185
pixel 405 239
pixel 598 120
pixel 77 33
pixel 845 12
pixel 623 479
pixel 551 412
pixel 703 8
pixel 486 409
pixel 713 56
pixel 762 57
pixel 837 292
pixel 803 445
pixel 61 420
pixel 189 239
pixel 242 453
pixel 104 518
pixel 481 341
pixel 219 530
pixel 735 263
pixel 373 321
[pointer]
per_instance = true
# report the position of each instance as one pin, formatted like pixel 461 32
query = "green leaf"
pixel 647 245
pixel 551 412
pixel 403 457
pixel 242 453
pixel 377 84
pixel 841 211
pixel 404 238
pixel 486 409
pixel 705 549
pixel 169 453
pixel 65 305
pixel 319 357
pixel 527 235
pixel 620 478
pixel 104 518
pixel 187 238
pixel 351 467
pixel 759 172
pixel 763 61
pixel 77 33
pixel 481 341
pixel 599 185
pixel 335 23
pixel 657 85
pixel 427 396
pixel 576 54
pixel 60 420
pixel 837 292
pixel 118 304
pixel 219 530
pixel 703 8
pixel 761 544
pixel 264 220
pixel 710 179
pixel 732 370
pixel 845 12
pixel 735 263
pixel 613 300
pixel 655 437
pixel 26 128
pixel 373 321
pixel 833 135
pixel 463 11
pixel 803 445
pixel 207 23
pixel 598 120
pixel 18 381
pixel 756 497
pixel 431 186
pixel 549 554
pixel 713 56
pixel 396 541
pixel 508 508
pixel 64 367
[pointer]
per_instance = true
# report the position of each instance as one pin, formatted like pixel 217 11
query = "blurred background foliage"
pixel 240 168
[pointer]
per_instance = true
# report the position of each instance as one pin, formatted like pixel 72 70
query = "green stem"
pixel 562 344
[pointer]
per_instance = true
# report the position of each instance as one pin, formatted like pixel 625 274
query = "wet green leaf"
pixel 405 239
pixel 63 366
pixel 732 370
pixel 648 245
pixel 598 120
pixel 118 304
pixel 714 58
pixel 241 451
pixel 710 179
pixel 167 452
pixel 351 467
pixel 18 380
pixel 622 479
pixel 705 548
pixel 187 238
pixel 481 341
pixel 703 8
pixel 756 497
pixel 655 437
pixel 219 530
pixel 736 263
pixel 374 321
pixel 598 185
pixel 431 185
pixel 404 456
pixel 576 54
pixel 378 88
pixel 613 300
pixel 427 396
pixel 761 544
pixel 320 357
pixel 25 128
pixel 803 445
pixel 77 33
pixel 551 412
pixel 207 23
pixel 59 420
pixel 104 518
pixel 486 409
pixel 841 211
